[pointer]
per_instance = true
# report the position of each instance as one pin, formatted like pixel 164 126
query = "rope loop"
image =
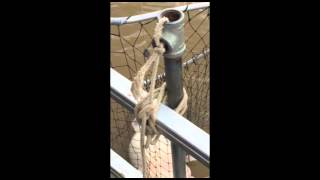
pixel 148 103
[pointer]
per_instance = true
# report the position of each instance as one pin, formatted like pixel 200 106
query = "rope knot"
pixel 148 103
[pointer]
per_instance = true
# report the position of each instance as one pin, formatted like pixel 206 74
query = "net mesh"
pixel 129 45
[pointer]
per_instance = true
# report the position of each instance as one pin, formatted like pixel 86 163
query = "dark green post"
pixel 173 39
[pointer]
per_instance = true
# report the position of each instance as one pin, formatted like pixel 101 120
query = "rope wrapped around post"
pixel 148 103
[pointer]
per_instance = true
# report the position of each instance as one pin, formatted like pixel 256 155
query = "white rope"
pixel 148 102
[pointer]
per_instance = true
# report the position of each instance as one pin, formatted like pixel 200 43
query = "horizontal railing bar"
pixel 147 16
pixel 173 126
pixel 121 168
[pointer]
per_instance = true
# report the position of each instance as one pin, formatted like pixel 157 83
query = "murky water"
pixel 117 8
pixel 123 64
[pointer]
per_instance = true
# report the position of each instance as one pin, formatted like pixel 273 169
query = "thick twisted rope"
pixel 148 103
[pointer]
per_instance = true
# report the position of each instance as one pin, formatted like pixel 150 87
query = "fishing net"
pixel 129 48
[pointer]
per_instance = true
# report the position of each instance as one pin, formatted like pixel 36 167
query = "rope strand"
pixel 148 103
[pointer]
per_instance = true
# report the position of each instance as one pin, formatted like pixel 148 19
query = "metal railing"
pixel 173 126
pixel 185 136
pixel 147 16
pixel 120 168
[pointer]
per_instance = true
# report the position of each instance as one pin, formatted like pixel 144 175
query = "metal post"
pixel 173 39
pixel 173 69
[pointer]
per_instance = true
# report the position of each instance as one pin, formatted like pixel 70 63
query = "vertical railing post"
pixel 173 69
pixel 173 39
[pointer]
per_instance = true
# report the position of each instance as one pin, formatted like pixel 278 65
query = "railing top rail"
pixel 147 16
pixel 121 168
pixel 172 125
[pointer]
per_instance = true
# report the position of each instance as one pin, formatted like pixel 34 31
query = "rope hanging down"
pixel 148 102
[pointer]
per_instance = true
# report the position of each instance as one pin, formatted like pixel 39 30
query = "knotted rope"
pixel 148 103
